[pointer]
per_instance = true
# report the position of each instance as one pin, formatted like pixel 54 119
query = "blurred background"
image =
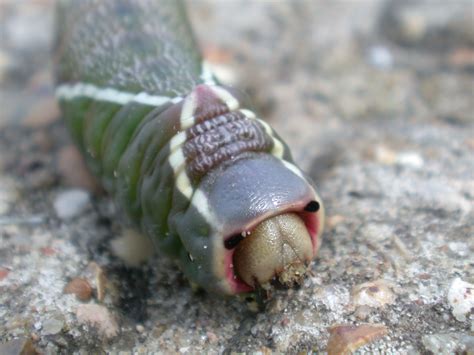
pixel 376 100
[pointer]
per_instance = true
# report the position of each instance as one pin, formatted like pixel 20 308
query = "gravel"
pixel 376 100
pixel 71 203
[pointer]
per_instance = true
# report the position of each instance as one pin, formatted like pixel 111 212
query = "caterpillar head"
pixel 262 227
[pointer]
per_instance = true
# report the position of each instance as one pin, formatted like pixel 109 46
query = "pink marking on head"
pixel 236 284
pixel 311 221
pixel 208 104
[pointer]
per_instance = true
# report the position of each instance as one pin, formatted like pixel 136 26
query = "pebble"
pixel 98 316
pixel 52 326
pixel 410 159
pixel 347 338
pixel 79 287
pixel 95 276
pixel 73 171
pixel 461 298
pixel 71 203
pixel 374 294
pixel 132 247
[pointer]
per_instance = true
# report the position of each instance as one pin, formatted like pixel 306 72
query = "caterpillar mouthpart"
pixel 276 252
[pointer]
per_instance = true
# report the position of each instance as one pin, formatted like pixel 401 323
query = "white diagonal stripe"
pixel 231 102
pixel 91 91
pixel 73 91
pixel 187 111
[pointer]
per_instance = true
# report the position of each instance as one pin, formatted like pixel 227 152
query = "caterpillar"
pixel 212 184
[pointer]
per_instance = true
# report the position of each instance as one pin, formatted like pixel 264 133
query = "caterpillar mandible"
pixel 210 183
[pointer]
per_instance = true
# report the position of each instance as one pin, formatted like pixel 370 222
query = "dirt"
pixel 376 100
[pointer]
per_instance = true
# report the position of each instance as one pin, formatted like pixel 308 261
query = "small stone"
pixel 97 278
pixel 461 298
pixel 73 171
pixel 132 247
pixel 79 287
pixel 410 159
pixel 52 326
pixel 98 316
pixel 71 203
pixel 21 346
pixel 345 339
pixel 373 294
pixel 140 328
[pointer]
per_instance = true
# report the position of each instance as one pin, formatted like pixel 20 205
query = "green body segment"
pixel 131 46
pixel 115 47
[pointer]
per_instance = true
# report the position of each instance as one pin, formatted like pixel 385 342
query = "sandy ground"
pixel 376 100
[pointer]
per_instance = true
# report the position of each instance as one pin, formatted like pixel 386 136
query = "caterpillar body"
pixel 208 181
